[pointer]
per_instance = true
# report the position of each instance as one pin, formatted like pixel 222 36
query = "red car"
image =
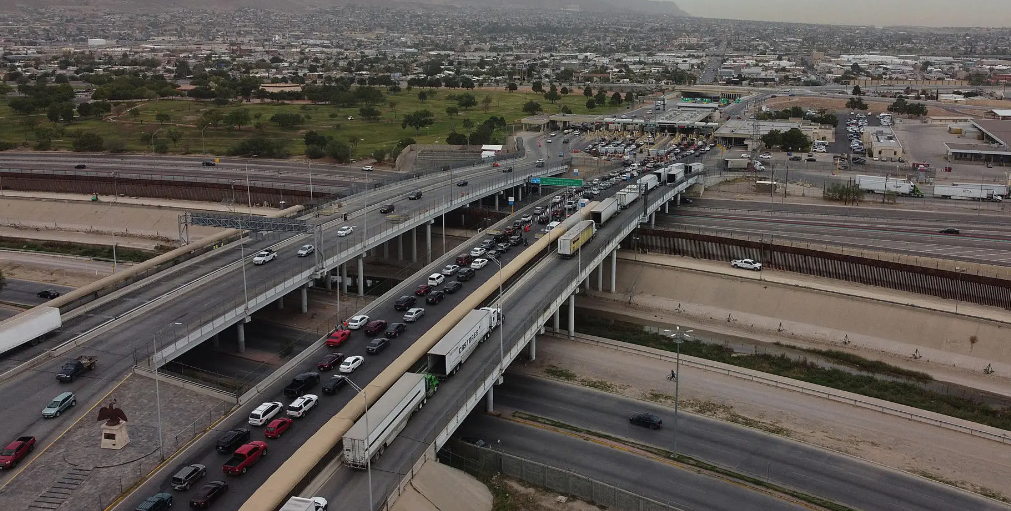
pixel 338 337
pixel 423 290
pixel 16 450
pixel 330 361
pixel 375 327
pixel 277 427
pixel 245 457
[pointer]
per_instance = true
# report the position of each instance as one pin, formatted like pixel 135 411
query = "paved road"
pixel 60 262
pixel 827 474
pixel 25 292
pixel 984 239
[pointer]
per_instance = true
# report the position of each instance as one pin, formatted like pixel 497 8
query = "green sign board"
pixel 559 181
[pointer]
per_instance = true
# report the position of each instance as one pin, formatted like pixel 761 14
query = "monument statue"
pixel 114 434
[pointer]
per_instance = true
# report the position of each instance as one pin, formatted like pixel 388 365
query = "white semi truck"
pixel 28 327
pixel 970 191
pixel 881 184
pixel 626 196
pixel 378 428
pixel 305 504
pixel 570 242
pixel 446 357
pixel 603 211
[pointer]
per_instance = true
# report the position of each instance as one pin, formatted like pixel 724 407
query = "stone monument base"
pixel 115 437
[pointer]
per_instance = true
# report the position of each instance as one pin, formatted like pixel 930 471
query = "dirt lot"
pixel 839 103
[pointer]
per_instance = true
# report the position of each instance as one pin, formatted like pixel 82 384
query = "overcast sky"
pixel 965 13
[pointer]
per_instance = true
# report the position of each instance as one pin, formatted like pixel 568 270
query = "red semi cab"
pixel 15 451
pixel 245 457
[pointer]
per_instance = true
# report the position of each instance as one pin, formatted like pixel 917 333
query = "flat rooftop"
pixel 977 149
pixel 1000 131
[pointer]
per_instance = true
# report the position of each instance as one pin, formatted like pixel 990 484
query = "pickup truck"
pixel 74 368
pixel 245 457
pixel 16 450
pixel 301 384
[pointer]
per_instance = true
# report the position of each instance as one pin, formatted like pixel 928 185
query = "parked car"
pixel 277 427
pixel 414 314
pixel 395 329
pixel 338 337
pixel 453 286
pixel 48 294
pixel 646 419
pixel 747 264
pixel 301 383
pixel 352 363
pixel 345 230
pixel 387 209
pixel 377 345
pixel 156 502
pixel 358 321
pixel 207 494
pixel 230 440
pixel 301 406
pixel 435 297
pixel 334 384
pixel 330 361
pixel 404 302
pixel 59 404
pixel 375 327
pixel 263 413
pixel 186 476
pixel 306 250
pixel 264 256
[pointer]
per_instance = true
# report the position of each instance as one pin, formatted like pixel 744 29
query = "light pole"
pixel 152 138
pixel 677 337
pixel 368 438
pixel 157 389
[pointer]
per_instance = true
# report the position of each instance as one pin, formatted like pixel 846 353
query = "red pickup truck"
pixel 16 450
pixel 245 457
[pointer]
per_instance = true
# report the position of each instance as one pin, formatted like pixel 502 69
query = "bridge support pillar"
pixel 489 399
pixel 240 330
pixel 678 198
pixel 414 244
pixel 652 220
pixel 216 341
pixel 519 193
pixel 666 207
pixel 539 189
pixel 428 242
pixel 572 316
pixel 361 276
pixel 400 247
pixel 280 302
pixel 344 278
pixel 328 282
pixel 614 271
pixel 496 202
pixel 305 299
pixel 386 250
pixel 556 322
pixel 600 276
pixel 532 348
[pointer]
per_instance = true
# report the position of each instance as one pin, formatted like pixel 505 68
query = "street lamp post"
pixel 677 337
pixel 368 438
pixel 152 138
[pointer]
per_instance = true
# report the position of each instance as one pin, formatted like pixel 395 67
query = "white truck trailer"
pixel 378 428
pixel 736 163
pixel 304 504
pixel 570 242
pixel 604 211
pixel 969 191
pixel 28 327
pixel 626 196
pixel 880 184
pixel 648 182
pixel 446 357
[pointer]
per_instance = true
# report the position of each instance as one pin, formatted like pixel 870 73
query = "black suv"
pixel 452 287
pixel 434 297
pixel 387 209
pixel 378 344
pixel 646 419
pixel 48 294
pixel 301 384
pixel 231 440
pixel 404 302
pixel 395 329
pixel 415 195
pixel 465 274
pixel 334 384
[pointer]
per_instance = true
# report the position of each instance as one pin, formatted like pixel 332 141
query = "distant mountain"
pixel 636 6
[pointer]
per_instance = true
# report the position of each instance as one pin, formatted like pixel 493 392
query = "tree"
pixel 486 102
pixel 532 107
pixel 88 142
pixel 455 138
pixel 237 117
pixel 795 140
pixel 422 96
pixel 629 97
pixel 466 101
pixel 511 87
pixel 286 120
pixel 162 117
pixel 393 108
pixel 537 86
pixel 552 95
pixel 773 138
pixel 588 92
pixel 857 91
pixel 175 136
pixel 616 99
pixel 564 91
pixel 369 113
pixel 591 104
pixel 417 120
pixel 339 150
pixel 161 146
pixel 468 124
pixel 856 104
pixel 452 111
pixel 600 97
pixel 566 110
pixel 379 155
pixel 313 138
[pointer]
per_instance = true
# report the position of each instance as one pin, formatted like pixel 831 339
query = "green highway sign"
pixel 559 181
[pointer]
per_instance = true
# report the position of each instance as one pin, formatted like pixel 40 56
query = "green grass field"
pixel 325 119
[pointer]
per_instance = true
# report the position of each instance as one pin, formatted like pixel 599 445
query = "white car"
pixel 527 219
pixel 357 322
pixel 477 252
pixel 747 264
pixel 478 263
pixel 302 405
pixel 367 168
pixel 413 314
pixel 351 363
pixel 765 156
pixel 758 166
pixel 264 256
pixel 345 231
pixel 450 269
pixel 436 279
pixel 263 413
pixel 306 250
pixel 745 155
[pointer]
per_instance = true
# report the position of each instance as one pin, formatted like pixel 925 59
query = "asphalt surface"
pixel 25 292
pixel 826 474
pixel 984 239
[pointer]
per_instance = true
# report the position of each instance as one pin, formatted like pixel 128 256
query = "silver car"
pixel 59 404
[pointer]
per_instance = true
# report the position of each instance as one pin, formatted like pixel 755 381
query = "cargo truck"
pixel 648 182
pixel 968 192
pixel 304 504
pixel 736 163
pixel 570 242
pixel 378 428
pixel 604 211
pixel 695 168
pixel 446 357
pixel 626 196
pixel 879 184
pixel 74 368
pixel 28 327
